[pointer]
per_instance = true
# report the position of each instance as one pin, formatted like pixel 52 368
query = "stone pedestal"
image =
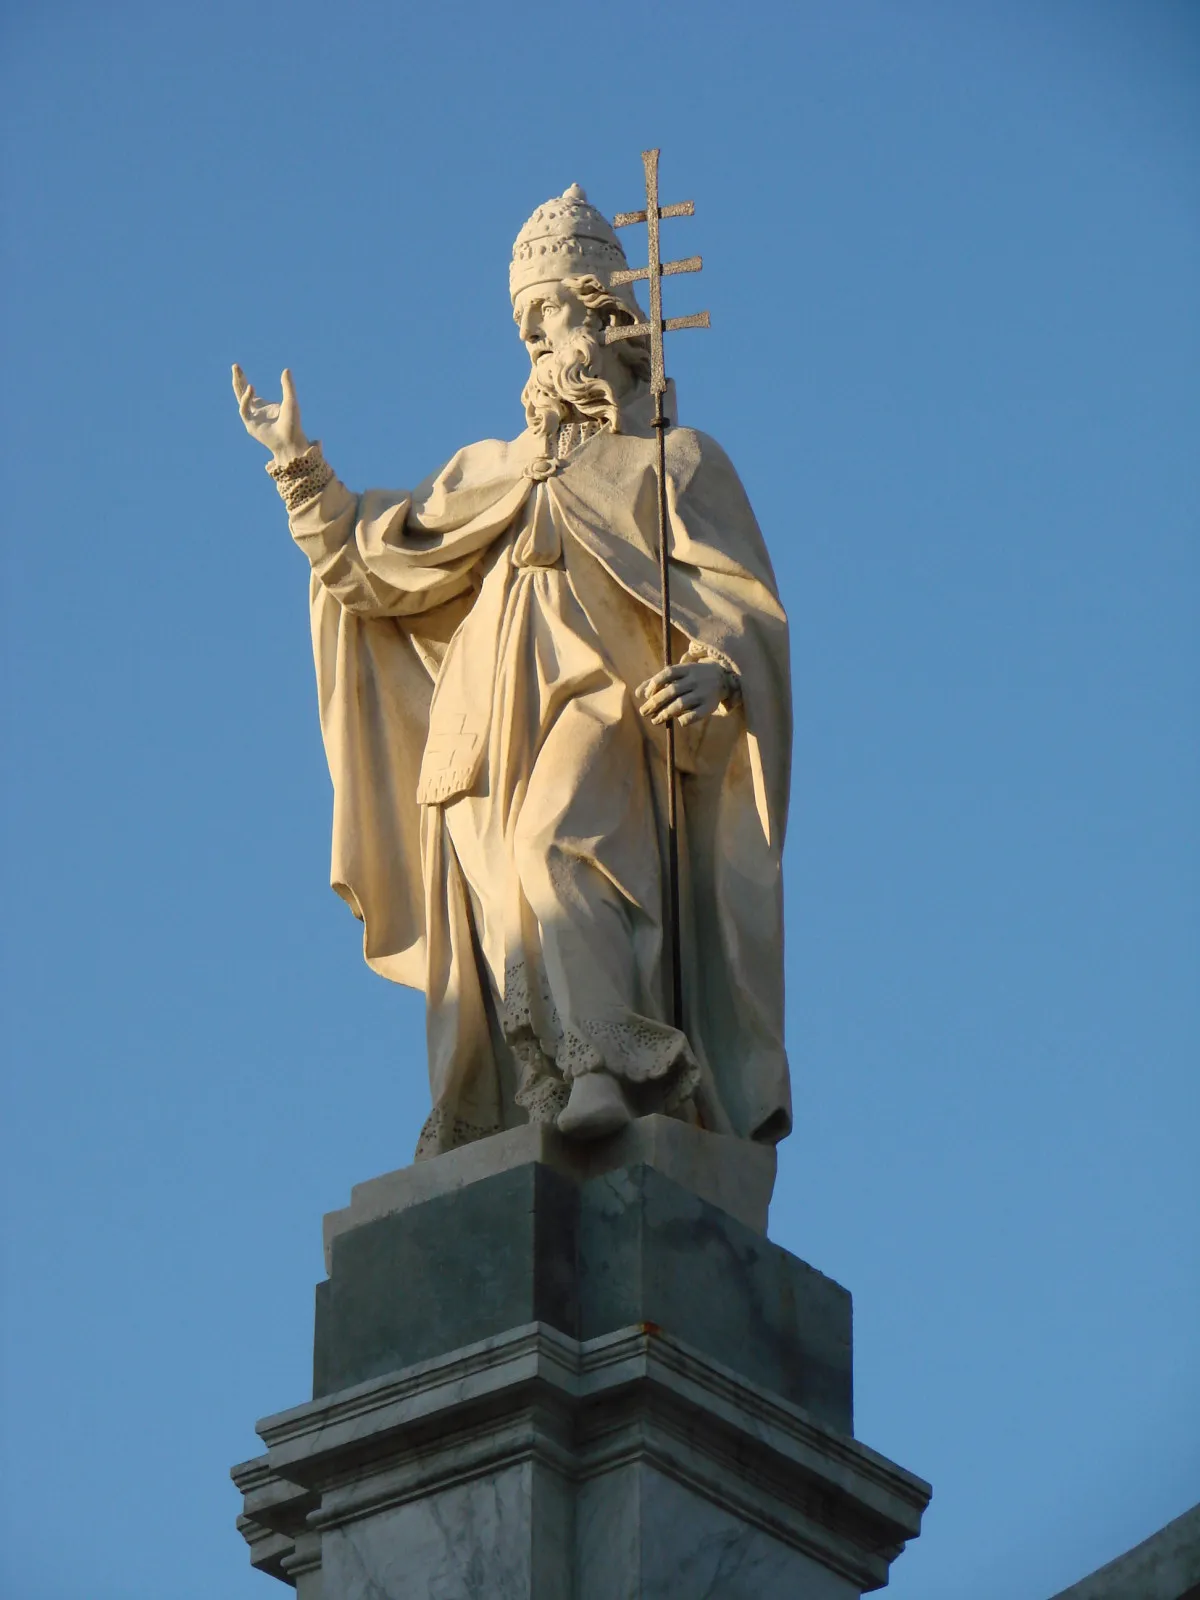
pixel 555 1374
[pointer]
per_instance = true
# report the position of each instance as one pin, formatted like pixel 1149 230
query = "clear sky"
pixel 952 253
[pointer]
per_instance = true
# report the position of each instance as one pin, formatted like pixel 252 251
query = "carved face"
pixel 573 373
pixel 545 312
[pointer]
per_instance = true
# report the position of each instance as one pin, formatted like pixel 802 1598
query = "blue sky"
pixel 951 255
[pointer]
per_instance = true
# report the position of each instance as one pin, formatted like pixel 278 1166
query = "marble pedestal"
pixel 550 1374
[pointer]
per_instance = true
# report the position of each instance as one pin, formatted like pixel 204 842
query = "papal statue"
pixel 493 705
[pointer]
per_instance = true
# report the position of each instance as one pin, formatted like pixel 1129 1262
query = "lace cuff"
pixel 302 478
pixel 733 684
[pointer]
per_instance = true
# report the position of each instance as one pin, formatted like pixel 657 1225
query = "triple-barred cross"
pixel 652 274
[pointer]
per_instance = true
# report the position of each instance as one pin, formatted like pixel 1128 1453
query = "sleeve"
pixel 732 696
pixel 355 544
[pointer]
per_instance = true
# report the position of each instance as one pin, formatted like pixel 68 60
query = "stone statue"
pixel 493 708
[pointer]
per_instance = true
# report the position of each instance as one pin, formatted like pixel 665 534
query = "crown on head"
pixel 566 238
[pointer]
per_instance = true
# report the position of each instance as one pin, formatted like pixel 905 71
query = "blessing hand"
pixel 684 693
pixel 275 426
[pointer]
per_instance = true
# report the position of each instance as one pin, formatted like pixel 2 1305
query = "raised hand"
pixel 684 693
pixel 275 426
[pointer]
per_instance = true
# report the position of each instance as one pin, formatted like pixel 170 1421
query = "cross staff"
pixel 653 274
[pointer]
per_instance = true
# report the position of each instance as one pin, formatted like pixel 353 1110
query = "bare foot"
pixel 596 1106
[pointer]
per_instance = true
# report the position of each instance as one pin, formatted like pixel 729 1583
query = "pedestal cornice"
pixel 581 1408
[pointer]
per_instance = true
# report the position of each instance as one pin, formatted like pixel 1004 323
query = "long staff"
pixel 652 274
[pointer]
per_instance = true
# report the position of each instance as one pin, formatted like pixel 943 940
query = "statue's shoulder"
pixel 484 462
pixel 694 459
pixel 694 444
pixel 692 453
pixel 488 455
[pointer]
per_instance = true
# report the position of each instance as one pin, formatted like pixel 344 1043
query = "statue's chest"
pixel 538 539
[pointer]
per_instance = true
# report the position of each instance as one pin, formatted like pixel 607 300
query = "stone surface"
pixel 650 1252
pixel 448 1272
pixel 1164 1567
pixel 533 1465
pixel 645 1535
pixel 628 1247
pixel 569 1380
pixel 736 1175
pixel 471 1538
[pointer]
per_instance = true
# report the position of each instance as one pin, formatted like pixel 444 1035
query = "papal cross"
pixel 653 274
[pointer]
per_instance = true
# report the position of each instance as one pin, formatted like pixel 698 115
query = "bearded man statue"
pixel 493 706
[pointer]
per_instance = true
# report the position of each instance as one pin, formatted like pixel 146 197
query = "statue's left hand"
pixel 684 693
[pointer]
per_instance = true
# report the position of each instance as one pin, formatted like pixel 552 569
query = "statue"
pixel 495 712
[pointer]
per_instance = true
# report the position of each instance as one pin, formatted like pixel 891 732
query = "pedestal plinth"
pixel 542 1373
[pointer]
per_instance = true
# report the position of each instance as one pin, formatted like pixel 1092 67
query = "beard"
pixel 565 385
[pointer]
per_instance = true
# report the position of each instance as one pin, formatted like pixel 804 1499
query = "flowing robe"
pixel 499 801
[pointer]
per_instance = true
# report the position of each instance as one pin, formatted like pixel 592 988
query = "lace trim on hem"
pixel 637 1052
pixel 517 1007
pixel 685 1085
pixel 444 1131
pixel 541 1093
pixel 543 1099
pixel 640 1051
